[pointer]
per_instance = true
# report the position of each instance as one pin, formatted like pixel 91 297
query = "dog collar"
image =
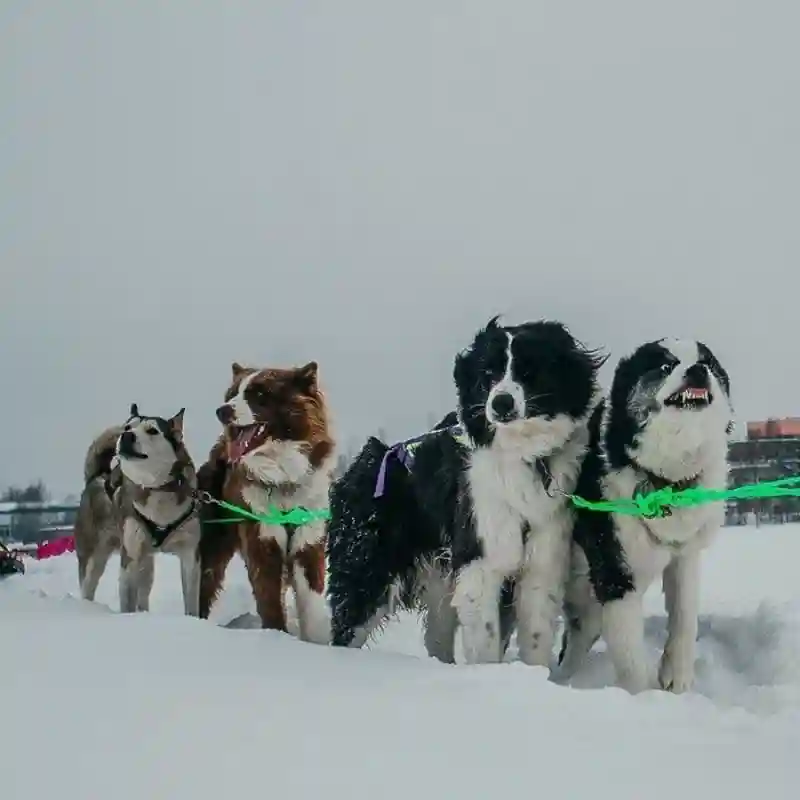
pixel 652 482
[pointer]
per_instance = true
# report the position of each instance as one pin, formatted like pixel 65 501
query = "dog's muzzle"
pixel 503 407
pixel 127 446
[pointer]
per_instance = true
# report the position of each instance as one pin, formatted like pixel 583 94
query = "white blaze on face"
pixel 242 413
pixel 507 385
pixel 156 468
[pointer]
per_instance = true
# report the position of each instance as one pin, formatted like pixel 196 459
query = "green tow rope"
pixel 650 505
pixel 659 502
pixel 294 516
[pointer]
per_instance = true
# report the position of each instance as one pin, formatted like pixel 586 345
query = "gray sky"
pixel 188 183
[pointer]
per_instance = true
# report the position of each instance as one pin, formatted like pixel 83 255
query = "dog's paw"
pixel 676 672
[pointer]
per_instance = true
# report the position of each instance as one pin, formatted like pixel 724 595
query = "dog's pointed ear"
pixel 306 376
pixel 237 369
pixel 134 410
pixel 176 423
pixel 492 325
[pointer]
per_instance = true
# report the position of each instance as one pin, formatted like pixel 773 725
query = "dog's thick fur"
pixel 97 529
pixel 665 423
pixel 276 451
pixel 472 532
pixel 391 552
pixel 139 500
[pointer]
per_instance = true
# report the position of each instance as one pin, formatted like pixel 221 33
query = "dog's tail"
pixel 100 454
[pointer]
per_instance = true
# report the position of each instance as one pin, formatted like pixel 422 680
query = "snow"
pixel 98 705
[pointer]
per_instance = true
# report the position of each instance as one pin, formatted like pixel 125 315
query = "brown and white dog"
pixel 276 451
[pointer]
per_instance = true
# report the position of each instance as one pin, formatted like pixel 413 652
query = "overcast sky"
pixel 187 183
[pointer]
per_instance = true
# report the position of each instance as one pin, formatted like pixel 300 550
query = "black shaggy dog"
pixel 445 523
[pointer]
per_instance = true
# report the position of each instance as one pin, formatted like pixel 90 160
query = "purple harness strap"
pixel 404 453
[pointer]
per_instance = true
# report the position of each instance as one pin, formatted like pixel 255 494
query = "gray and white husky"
pixel 139 499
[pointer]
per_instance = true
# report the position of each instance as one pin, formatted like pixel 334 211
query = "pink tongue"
pixel 697 393
pixel 238 447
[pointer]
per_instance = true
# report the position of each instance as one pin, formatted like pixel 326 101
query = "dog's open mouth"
pixel 689 397
pixel 243 440
pixel 128 450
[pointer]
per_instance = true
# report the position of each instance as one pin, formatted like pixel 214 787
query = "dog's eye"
pixel 667 368
pixel 152 431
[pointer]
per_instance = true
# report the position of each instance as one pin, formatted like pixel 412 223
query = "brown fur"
pixel 291 405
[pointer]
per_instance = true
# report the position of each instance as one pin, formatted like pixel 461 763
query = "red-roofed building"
pixel 771 451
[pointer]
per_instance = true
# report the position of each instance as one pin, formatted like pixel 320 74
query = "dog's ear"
pixel 306 376
pixel 492 325
pixel 134 410
pixel 237 369
pixel 176 423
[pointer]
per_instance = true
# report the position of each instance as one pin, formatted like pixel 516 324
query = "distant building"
pixel 770 451
pixel 33 522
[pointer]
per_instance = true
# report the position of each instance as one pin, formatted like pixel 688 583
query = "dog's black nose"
pixel 503 406
pixel 697 376
pixel 225 414
pixel 127 442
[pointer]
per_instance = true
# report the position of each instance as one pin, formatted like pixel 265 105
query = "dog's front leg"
pixel 441 620
pixel 307 575
pixel 477 602
pixel 488 549
pixel 190 580
pixel 540 593
pixel 144 580
pixel 132 553
pixel 681 593
pixel 623 631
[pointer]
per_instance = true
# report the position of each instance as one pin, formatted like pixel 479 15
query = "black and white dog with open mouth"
pixel 465 523
pixel 665 423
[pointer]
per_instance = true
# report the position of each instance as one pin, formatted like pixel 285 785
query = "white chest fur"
pixel 650 544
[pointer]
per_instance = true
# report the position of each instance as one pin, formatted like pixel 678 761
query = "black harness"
pixel 160 533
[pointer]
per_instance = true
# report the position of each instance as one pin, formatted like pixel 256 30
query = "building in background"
pixel 34 522
pixel 770 451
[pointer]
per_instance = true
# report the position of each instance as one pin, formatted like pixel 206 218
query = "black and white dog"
pixel 465 522
pixel 665 423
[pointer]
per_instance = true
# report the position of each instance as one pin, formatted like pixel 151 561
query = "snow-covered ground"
pixel 158 706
